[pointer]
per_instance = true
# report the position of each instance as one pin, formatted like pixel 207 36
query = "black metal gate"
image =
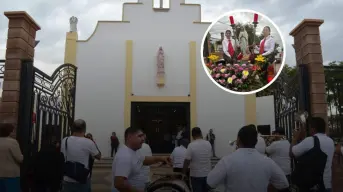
pixel 291 95
pixel 47 106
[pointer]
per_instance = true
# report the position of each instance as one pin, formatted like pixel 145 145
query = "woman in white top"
pixel 267 44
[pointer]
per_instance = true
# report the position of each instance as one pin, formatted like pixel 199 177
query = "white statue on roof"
pixel 73 24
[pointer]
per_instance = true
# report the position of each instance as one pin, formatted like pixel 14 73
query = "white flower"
pixel 257 77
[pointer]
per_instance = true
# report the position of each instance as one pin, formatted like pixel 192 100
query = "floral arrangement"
pixel 238 77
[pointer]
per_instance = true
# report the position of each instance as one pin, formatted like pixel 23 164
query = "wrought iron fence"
pixel 290 97
pixel 53 104
pixel 334 88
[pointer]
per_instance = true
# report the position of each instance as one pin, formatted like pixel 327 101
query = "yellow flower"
pixel 229 80
pixel 245 73
pixel 223 70
pixel 260 58
pixel 213 57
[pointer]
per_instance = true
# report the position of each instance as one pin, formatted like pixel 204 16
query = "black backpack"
pixel 309 168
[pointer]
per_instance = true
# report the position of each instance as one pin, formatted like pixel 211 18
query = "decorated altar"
pixel 243 76
pixel 249 68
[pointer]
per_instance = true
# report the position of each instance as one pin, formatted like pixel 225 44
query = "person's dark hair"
pixel 79 126
pixel 131 130
pixel 248 136
pixel 267 28
pixel 184 142
pixel 228 31
pixel 280 131
pixel 6 129
pixel 318 124
pixel 196 132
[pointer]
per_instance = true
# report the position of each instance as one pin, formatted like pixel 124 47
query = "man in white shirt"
pixel 145 151
pixel 229 47
pixel 77 148
pixel 179 136
pixel 127 164
pixel 246 169
pixel 327 146
pixel 198 159
pixel 178 156
pixel 278 151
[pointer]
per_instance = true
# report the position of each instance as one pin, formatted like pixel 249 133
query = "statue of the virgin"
pixel 244 41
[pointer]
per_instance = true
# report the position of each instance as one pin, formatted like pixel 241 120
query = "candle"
pixel 231 20
pixel 255 18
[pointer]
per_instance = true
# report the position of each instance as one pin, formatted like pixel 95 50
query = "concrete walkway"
pixel 102 174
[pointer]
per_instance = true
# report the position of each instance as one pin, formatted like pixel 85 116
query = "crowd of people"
pixel 253 166
pixel 58 166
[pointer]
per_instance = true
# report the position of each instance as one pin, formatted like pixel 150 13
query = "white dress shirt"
pixel 145 151
pixel 225 44
pixel 199 152
pixel 247 170
pixel 326 145
pixel 178 156
pixel 261 145
pixel 279 152
pixel 269 45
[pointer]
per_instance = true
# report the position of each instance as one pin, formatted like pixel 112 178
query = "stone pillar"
pixel 20 46
pixel 308 51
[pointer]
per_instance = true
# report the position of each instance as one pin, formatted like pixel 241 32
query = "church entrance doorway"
pixel 160 122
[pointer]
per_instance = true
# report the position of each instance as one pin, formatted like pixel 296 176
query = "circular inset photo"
pixel 243 52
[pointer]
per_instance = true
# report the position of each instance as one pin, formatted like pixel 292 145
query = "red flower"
pixel 239 56
pixel 270 78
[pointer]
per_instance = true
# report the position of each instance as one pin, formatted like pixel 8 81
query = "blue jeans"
pixel 199 184
pixel 75 187
pixel 10 184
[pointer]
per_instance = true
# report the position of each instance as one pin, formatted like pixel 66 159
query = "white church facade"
pixel 118 84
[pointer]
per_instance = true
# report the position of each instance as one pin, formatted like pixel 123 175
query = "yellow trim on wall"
pixel 128 83
pixel 250 109
pixel 192 82
pixel 70 48
pixel 131 98
pixel 69 57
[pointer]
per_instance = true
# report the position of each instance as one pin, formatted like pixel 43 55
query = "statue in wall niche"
pixel 210 137
pixel 160 68
pixel 73 24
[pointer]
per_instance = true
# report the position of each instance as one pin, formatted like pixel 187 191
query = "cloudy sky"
pixel 53 16
pixel 223 24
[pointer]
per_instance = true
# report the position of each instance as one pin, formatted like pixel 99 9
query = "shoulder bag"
pixel 75 170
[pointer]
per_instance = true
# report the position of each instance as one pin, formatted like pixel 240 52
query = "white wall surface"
pixel 265 111
pixel 101 75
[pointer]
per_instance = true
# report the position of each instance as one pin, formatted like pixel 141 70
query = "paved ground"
pixel 102 178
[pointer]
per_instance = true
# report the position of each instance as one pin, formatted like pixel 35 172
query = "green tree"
pixel 287 70
pixel 334 85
